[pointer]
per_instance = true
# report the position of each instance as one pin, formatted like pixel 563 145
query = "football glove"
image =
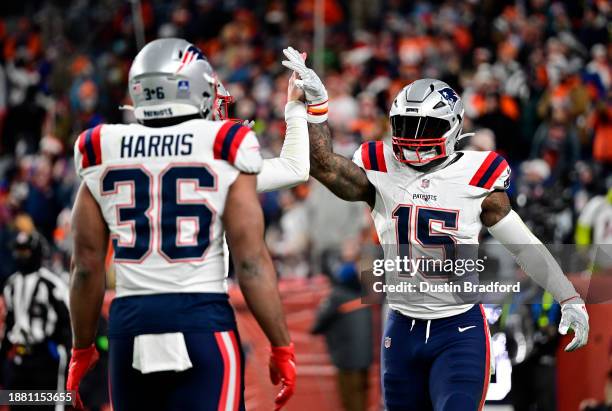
pixel 282 370
pixel 314 90
pixel 574 316
pixel 248 123
pixel 81 362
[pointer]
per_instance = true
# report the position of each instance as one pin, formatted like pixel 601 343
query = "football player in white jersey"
pixel 165 191
pixel 425 195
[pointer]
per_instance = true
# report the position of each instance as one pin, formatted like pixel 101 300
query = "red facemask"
pixel 419 146
pixel 417 135
pixel 222 105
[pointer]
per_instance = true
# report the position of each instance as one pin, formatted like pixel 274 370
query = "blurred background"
pixel 535 78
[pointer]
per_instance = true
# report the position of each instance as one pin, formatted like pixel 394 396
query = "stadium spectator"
pixel 347 326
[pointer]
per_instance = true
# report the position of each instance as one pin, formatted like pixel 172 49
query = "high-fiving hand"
pixel 574 316
pixel 309 81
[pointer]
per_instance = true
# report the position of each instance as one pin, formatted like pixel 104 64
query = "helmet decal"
pixel 450 96
pixel 192 53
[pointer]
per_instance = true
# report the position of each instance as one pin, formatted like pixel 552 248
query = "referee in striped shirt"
pixel 37 325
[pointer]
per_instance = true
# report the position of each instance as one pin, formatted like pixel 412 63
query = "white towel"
pixel 160 352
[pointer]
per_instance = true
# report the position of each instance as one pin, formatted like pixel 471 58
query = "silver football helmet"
pixel 426 119
pixel 171 78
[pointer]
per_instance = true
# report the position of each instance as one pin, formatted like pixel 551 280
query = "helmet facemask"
pixel 426 118
pixel 223 102
pixel 418 140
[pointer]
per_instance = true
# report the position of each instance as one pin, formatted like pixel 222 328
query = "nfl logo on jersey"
pixel 387 342
pixel 424 183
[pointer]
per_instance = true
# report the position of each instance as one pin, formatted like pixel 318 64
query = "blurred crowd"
pixel 534 75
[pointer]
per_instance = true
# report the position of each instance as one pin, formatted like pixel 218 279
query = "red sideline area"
pixel 592 363
pixel 316 385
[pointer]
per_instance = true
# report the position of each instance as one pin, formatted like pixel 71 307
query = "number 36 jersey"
pixel 429 212
pixel 162 193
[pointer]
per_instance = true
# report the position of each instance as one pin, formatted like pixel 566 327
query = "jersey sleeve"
pixel 492 174
pixel 88 149
pixel 238 145
pixel 370 156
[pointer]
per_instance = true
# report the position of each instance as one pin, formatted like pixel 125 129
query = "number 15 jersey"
pixel 420 211
pixel 162 193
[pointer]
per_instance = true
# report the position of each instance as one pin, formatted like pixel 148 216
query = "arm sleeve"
pixel 533 257
pixel 293 165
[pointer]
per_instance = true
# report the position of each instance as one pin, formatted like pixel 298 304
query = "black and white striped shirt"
pixel 36 309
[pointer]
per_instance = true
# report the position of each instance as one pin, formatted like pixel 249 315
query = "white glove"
pixel 316 94
pixel 574 315
pixel 248 123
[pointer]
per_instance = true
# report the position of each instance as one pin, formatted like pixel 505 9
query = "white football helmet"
pixel 426 119
pixel 172 78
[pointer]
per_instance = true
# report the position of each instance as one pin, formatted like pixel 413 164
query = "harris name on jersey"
pixel 156 145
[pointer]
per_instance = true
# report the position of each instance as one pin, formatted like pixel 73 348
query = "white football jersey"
pixel 428 210
pixel 597 214
pixel 162 192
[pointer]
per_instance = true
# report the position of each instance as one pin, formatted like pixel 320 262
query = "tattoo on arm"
pixel 249 268
pixel 495 207
pixel 343 177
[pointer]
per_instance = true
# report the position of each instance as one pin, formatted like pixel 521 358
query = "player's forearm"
pixel 257 280
pixel 293 165
pixel 87 287
pixel 321 151
pixel 339 174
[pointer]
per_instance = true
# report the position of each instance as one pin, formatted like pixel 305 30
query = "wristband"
pixel 317 113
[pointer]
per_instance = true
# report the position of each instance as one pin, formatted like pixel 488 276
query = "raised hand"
pixel 309 81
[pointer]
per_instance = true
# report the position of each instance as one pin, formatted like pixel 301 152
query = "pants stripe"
pixel 238 383
pixel 487 375
pixel 230 392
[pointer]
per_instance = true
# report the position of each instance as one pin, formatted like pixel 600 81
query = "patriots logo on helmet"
pixel 450 96
pixel 192 53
